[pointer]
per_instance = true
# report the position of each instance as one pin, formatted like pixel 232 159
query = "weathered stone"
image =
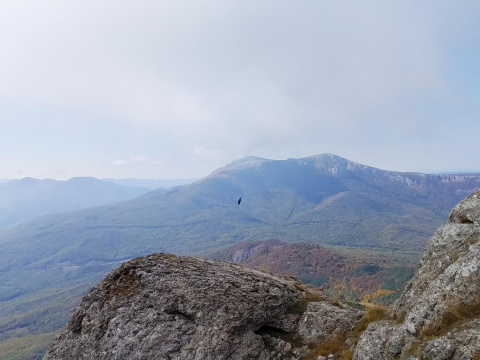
pixel 442 301
pixel 166 307
pixel 322 321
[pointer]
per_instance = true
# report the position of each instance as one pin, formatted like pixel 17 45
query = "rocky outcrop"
pixel 438 315
pixel 167 307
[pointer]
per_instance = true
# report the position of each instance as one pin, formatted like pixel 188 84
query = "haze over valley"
pixel 325 142
pixel 379 221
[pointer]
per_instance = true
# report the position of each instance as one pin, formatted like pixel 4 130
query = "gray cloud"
pixel 374 81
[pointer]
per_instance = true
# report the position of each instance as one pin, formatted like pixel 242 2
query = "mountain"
pixel 152 183
pixel 342 273
pixel 50 261
pixel 27 198
pixel 321 199
pixel 166 307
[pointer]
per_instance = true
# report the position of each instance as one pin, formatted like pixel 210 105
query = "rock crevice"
pixel 438 315
pixel 168 307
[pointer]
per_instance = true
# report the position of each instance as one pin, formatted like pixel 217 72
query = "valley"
pixel 366 224
pixel 344 274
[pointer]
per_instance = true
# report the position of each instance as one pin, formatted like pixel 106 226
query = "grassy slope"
pixel 29 321
pixel 26 348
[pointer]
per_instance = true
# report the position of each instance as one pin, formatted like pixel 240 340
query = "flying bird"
pixel 239 201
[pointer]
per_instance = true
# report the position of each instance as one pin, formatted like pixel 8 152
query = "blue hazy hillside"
pixel 49 261
pixel 152 184
pixel 321 199
pixel 27 198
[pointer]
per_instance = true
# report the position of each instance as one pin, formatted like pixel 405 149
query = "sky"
pixel 175 89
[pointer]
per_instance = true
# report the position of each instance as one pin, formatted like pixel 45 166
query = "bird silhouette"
pixel 239 201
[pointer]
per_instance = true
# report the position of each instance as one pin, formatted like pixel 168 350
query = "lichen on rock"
pixel 438 315
pixel 168 307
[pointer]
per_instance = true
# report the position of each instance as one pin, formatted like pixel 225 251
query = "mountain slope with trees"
pixel 322 199
pixel 342 273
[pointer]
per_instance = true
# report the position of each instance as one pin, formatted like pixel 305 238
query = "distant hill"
pixel 27 198
pixel 322 199
pixel 349 275
pixel 152 183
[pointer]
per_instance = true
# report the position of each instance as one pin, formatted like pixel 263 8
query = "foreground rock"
pixel 165 307
pixel 438 316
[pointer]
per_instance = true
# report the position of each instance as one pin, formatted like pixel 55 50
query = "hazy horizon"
pixel 190 180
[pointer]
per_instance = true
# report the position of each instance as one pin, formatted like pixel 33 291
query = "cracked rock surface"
pixel 168 307
pixel 438 315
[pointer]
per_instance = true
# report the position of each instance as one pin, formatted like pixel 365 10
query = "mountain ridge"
pixel 298 198
pixel 151 184
pixel 288 200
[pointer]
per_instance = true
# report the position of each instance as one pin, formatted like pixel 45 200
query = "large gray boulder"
pixel 438 315
pixel 168 307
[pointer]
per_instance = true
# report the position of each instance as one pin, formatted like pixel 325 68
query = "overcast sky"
pixel 176 89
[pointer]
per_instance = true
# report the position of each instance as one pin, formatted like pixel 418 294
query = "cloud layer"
pixel 197 84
